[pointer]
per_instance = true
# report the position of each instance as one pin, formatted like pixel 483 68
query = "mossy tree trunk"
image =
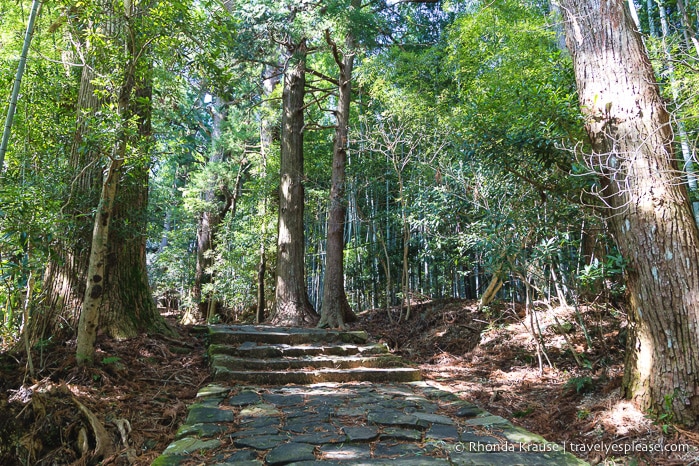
pixel 128 307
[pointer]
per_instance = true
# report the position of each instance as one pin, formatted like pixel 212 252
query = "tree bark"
pixel 335 309
pixel 292 306
pixel 98 312
pixel 269 133
pixel 648 206
pixel 128 306
pixel 127 303
pixel 90 315
pixel 491 291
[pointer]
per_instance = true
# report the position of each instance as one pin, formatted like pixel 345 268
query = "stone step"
pixel 219 334
pixel 386 375
pixel 259 351
pixel 306 362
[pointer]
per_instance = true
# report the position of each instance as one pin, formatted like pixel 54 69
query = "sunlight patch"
pixel 624 418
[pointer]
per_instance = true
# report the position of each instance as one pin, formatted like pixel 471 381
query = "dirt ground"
pixel 134 399
pixel 130 405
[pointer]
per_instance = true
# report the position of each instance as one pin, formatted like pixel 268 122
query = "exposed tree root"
pixel 103 441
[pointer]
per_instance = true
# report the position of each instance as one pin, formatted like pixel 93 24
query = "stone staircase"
pixel 263 355
pixel 298 397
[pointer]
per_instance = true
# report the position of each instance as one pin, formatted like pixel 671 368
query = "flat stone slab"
pixel 257 350
pixel 237 363
pixel 468 410
pixel 219 334
pixel 397 433
pixel 345 452
pixel 290 453
pixel 398 374
pixel 361 433
pixel 201 430
pixel 442 432
pixel 264 410
pixel 397 450
pixel 188 445
pixel 396 419
pixel 201 414
pixel 434 418
pixel 244 399
pixel 282 399
pixel 260 442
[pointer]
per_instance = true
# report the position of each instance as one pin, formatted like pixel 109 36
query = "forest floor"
pixel 489 358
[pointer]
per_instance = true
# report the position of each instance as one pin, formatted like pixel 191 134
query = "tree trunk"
pixel 127 304
pixel 117 296
pixel 336 309
pixel 269 133
pixel 648 207
pixel 491 291
pixel 292 306
pixel 90 315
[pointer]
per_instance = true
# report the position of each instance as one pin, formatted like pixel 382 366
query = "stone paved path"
pixel 300 396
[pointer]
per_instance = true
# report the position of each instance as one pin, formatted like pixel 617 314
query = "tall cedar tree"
pixel 292 306
pixel 649 211
pixel 336 310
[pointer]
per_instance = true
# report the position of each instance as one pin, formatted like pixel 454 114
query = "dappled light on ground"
pixel 623 418
pixel 563 402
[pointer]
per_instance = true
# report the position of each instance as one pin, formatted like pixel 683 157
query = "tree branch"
pixel 322 76
pixel 336 52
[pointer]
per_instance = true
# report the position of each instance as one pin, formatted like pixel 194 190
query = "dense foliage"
pixel 462 166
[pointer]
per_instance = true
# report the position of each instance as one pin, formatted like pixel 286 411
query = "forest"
pixel 310 163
